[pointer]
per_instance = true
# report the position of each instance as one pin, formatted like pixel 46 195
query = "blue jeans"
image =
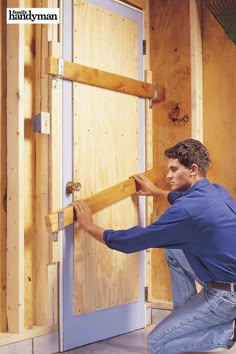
pixel 200 321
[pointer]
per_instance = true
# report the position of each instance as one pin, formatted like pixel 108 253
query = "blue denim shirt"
pixel 201 222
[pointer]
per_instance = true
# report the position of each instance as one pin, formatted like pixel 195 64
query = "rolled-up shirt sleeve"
pixel 172 230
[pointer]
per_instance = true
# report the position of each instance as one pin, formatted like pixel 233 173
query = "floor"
pixel 134 342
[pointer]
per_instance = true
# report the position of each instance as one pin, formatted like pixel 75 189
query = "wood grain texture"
pixel 42 178
pixel 148 145
pixel 29 173
pixel 219 87
pixel 196 69
pixel 3 166
pixel 55 148
pixel 15 175
pixel 141 4
pixel 34 331
pixel 170 64
pixel 99 201
pixel 105 144
pixel 149 201
pixel 46 275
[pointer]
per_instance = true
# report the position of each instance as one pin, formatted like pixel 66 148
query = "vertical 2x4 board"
pixel 105 143
pixel 103 130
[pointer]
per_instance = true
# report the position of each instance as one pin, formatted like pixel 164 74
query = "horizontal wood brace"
pixel 136 3
pixel 103 79
pixel 99 200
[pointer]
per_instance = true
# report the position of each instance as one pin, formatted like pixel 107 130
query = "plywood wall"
pixel 219 87
pixel 170 65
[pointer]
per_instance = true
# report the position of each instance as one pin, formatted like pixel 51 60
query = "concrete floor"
pixel 134 342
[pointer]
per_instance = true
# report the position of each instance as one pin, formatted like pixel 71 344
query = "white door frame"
pixel 68 322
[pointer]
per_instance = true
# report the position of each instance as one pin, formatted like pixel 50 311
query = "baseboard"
pixel 38 344
pixel 163 305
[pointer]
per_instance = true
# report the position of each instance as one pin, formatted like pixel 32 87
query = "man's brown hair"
pixel 189 152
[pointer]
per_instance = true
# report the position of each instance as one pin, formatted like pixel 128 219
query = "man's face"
pixel 179 176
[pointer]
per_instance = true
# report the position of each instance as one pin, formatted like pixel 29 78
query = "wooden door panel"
pixel 105 141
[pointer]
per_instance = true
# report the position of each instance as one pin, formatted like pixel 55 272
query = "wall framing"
pixel 25 322
pixel 3 169
pixel 15 176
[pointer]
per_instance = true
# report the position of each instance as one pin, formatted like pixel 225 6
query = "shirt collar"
pixel 201 183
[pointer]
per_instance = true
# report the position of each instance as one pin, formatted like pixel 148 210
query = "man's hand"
pixel 83 214
pixel 147 188
pixel 84 218
pixel 145 185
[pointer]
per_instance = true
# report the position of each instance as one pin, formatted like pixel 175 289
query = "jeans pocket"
pixel 230 298
pixel 221 302
pixel 213 299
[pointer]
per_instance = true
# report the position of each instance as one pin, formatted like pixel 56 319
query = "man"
pixel 199 234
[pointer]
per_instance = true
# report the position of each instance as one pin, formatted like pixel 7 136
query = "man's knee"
pixel 157 339
pixel 153 345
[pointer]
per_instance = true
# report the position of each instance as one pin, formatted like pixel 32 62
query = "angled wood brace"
pixel 64 217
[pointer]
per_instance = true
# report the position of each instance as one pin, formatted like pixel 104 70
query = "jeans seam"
pixel 193 346
pixel 196 346
pixel 181 325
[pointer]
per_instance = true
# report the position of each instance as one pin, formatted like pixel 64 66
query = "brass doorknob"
pixel 73 187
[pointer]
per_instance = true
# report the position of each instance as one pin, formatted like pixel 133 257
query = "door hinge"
pixel 146 293
pixel 144 47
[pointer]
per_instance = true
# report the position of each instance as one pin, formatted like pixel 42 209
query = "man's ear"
pixel 194 170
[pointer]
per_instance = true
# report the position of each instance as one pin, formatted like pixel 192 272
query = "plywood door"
pixel 105 153
pixel 102 133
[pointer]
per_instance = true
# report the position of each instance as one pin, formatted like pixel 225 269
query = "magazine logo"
pixel 32 15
